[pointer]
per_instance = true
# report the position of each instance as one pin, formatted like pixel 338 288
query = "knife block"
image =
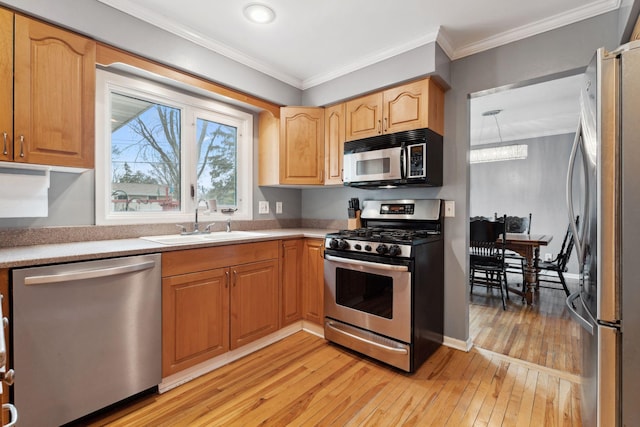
pixel 354 223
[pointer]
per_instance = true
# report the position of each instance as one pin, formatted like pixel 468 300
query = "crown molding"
pixel 440 37
pixel 187 33
pixel 366 61
pixel 538 27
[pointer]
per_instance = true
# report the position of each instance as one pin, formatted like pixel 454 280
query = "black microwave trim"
pixel 433 143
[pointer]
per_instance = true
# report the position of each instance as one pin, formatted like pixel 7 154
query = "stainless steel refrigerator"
pixel 606 194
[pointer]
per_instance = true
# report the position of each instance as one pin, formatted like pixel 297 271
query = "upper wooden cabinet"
pixel 53 93
pixel 334 137
pixel 301 145
pixel 6 84
pixel 415 105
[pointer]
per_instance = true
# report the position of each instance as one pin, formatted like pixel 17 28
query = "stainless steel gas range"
pixel 384 282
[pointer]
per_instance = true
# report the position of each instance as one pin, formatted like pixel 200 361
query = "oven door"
pixel 370 295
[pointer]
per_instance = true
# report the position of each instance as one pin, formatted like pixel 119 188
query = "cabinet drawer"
pixel 201 259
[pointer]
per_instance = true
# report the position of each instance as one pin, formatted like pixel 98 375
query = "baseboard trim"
pixel 182 377
pixel 457 344
pixel 189 374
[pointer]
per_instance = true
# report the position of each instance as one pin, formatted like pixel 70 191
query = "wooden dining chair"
pixel 553 271
pixel 515 263
pixel 486 256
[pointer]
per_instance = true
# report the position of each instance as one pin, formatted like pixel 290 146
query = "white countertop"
pixel 22 256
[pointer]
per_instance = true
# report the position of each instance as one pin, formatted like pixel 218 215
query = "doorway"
pixel 520 143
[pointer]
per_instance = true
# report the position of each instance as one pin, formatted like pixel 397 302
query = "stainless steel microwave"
pixel 394 160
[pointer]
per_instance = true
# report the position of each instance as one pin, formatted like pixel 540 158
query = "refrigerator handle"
pixel 578 240
pixel 588 326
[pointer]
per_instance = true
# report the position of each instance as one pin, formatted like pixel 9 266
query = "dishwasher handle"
pixel 88 274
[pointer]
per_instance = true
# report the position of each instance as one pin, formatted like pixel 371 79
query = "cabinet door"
pixel 313 280
pixel 364 117
pixel 334 137
pixel 301 145
pixel 54 95
pixel 291 297
pixel 414 106
pixel 254 301
pixel 195 318
pixel 6 84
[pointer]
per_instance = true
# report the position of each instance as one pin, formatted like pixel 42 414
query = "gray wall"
pixel 111 26
pixel 534 185
pixel 556 51
pixel 423 60
pixel 72 199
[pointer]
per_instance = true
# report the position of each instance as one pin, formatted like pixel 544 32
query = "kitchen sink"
pixel 181 239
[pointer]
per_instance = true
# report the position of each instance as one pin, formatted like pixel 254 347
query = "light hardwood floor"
pixel 543 334
pixel 305 381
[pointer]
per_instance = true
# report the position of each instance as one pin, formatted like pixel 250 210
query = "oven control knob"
pixel 394 250
pixel 367 248
pixel 333 244
pixel 382 249
pixel 343 244
pixel 357 246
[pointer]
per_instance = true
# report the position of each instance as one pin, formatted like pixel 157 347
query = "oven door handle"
pixel 366 341
pixel 374 265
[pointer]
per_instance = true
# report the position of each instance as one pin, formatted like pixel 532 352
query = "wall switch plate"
pixel 263 207
pixel 278 207
pixel 449 208
pixel 548 257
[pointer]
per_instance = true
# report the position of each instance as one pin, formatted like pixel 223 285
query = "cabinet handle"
pixel 235 275
pixel 379 126
pixel 385 124
pixel 226 283
pixel 4 151
pixel 21 145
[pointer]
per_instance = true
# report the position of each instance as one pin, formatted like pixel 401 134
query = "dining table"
pixel 528 246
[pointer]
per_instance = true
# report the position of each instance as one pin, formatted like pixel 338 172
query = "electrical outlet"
pixel 548 257
pixel 449 208
pixel 263 207
pixel 278 207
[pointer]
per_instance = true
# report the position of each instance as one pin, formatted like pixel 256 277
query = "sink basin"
pixel 181 239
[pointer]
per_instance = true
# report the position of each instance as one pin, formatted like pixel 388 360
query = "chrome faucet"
pixel 196 227
pixel 228 225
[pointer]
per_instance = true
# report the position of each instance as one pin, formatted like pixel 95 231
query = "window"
pixel 162 153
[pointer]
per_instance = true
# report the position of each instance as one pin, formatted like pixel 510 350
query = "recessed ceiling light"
pixel 259 13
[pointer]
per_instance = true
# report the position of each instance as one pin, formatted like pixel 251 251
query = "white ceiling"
pixel 311 42
pixel 536 110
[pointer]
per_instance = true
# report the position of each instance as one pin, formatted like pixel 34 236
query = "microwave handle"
pixel 403 162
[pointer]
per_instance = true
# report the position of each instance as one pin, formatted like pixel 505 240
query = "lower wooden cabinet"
pixel 218 299
pixel 195 318
pixel 254 301
pixel 291 283
pixel 215 300
pixel 313 281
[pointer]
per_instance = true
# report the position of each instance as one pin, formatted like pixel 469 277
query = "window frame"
pixel 192 105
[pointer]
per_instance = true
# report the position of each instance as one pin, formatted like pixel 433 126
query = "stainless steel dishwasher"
pixel 86 335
